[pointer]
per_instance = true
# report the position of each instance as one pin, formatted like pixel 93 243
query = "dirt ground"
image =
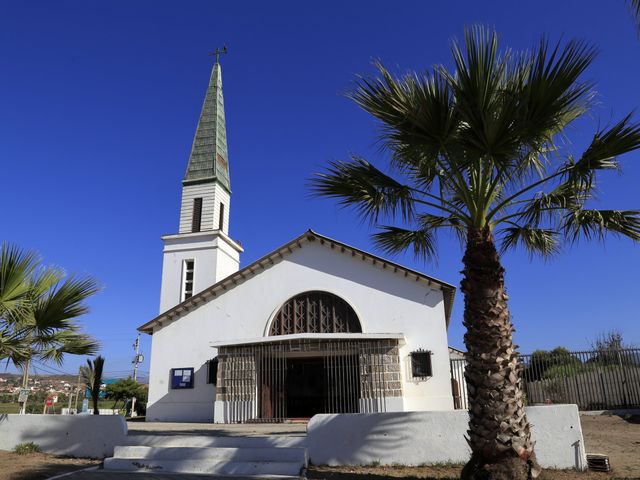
pixel 38 466
pixel 614 436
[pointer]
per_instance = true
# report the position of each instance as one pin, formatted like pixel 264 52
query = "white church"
pixel 315 326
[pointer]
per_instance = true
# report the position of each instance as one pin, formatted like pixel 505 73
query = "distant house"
pixel 313 326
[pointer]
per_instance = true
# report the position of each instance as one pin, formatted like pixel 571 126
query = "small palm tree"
pixel 92 376
pixel 47 330
pixel 38 311
pixel 480 152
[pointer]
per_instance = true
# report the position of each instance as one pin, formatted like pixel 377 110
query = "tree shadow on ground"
pixel 635 419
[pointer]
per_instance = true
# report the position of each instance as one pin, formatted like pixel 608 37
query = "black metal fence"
pixel 594 380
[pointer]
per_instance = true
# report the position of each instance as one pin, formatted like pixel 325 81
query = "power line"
pixel 42 369
pixel 42 364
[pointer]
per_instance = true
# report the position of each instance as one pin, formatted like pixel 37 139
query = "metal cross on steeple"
pixel 218 52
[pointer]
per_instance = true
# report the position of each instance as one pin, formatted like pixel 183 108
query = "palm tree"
pixel 481 152
pixel 47 331
pixel 38 309
pixel 92 375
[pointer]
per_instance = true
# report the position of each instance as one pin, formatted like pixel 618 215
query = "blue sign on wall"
pixel 181 378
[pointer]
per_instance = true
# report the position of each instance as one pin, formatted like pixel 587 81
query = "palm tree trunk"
pixel 25 384
pixel 499 434
pixel 95 398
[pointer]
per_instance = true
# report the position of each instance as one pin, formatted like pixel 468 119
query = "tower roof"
pixel 209 161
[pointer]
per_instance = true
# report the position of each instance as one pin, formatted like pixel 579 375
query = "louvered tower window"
pixel 196 219
pixel 188 268
pixel 221 217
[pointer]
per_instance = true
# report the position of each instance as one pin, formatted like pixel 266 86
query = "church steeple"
pixel 209 160
pixel 202 253
pixel 206 189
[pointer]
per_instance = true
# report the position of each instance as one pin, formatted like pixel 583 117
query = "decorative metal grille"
pixel 315 312
pixel 359 376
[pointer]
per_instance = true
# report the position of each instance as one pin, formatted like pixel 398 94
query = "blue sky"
pixel 99 102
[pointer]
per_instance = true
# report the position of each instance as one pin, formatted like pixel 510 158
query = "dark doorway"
pixel 305 386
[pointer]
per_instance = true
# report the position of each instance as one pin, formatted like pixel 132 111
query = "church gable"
pixel 355 265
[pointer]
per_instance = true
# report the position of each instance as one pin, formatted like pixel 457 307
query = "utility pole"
pixel 75 405
pixel 137 360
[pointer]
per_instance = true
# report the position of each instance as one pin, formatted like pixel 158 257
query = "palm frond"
pixel 594 224
pixel 359 184
pixel 485 112
pixel 552 95
pixel 601 154
pixel 414 110
pixel 65 301
pixel 536 241
pixel 16 267
pixel 548 206
pixel 429 221
pixel 44 280
pixel 395 240
pixel 12 347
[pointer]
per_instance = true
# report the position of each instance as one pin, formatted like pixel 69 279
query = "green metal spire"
pixel 209 161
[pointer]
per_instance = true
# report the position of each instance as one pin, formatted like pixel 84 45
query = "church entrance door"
pixel 305 387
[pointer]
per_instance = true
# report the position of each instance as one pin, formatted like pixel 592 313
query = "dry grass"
pixel 433 473
pixel 38 466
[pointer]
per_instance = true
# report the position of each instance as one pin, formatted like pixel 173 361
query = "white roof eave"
pixel 311 336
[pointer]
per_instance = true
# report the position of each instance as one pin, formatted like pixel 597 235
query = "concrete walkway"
pixel 217 429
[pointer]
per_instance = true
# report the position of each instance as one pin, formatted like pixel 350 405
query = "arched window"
pixel 315 312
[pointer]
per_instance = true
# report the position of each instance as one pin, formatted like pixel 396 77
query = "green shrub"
pixel 26 448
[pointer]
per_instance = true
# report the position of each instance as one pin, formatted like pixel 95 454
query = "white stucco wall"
pixel 92 436
pixel 415 438
pixel 385 302
pixel 215 258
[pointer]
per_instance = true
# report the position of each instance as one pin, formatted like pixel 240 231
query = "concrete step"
pixel 278 441
pixel 287 455
pixel 205 467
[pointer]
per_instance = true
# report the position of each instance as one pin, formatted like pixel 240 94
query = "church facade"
pixel 315 326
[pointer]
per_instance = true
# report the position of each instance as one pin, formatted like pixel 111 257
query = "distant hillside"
pixel 17 376
pixel 72 379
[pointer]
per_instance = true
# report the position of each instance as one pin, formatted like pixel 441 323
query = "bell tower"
pixel 202 253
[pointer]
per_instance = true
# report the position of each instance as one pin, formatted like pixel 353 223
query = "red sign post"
pixel 47 404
